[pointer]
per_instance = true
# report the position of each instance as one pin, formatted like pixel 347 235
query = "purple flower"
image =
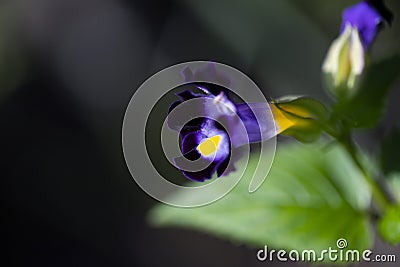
pixel 205 140
pixel 212 137
pixel 345 60
pixel 232 114
pixel 367 17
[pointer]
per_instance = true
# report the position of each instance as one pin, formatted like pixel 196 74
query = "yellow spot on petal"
pixel 209 146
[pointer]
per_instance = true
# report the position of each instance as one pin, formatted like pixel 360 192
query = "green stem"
pixel 379 195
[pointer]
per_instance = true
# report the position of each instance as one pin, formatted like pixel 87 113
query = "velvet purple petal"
pixel 189 144
pixel 258 122
pixel 201 176
pixel 177 121
pixel 237 126
pixel 366 19
pixel 218 163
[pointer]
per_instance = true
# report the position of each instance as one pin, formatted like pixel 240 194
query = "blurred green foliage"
pixel 390 153
pixel 366 107
pixel 308 201
pixel 394 183
pixel 389 226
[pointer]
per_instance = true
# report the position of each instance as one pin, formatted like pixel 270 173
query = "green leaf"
pixel 308 132
pixel 389 225
pixel 390 153
pixel 367 106
pixel 312 197
pixel 303 107
pixel 302 117
pixel 393 180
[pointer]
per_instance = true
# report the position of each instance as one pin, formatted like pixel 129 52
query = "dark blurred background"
pixel 68 69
